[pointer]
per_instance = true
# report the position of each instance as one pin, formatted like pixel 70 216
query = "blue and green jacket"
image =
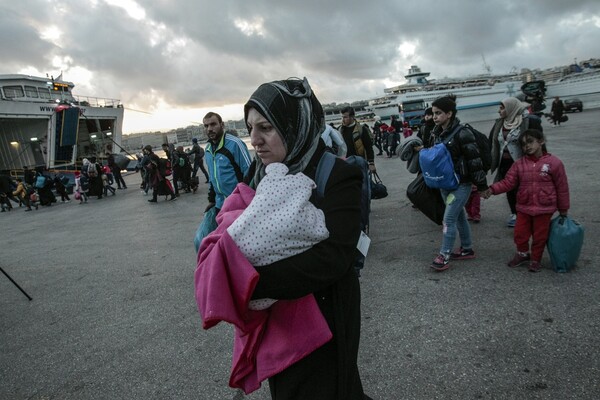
pixel 225 161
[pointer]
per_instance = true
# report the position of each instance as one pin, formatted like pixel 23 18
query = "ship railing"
pixel 98 102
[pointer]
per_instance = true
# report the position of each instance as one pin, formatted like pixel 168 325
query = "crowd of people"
pixel 286 125
pixel 283 263
pixel 174 173
pixel 41 187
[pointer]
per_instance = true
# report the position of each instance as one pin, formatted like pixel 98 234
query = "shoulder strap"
pixel 454 132
pixel 324 169
pixel 238 171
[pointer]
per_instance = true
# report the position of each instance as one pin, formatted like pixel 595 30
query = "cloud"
pixel 194 54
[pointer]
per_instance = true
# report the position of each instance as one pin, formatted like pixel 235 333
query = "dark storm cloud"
pixel 195 53
pixel 21 44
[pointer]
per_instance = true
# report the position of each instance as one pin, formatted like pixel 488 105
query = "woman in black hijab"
pixel 285 121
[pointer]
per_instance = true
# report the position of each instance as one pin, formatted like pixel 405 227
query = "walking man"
pixel 198 153
pixel 558 108
pixel 357 138
pixel 227 159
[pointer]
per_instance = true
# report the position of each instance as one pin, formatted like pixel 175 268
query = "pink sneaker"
pixel 462 254
pixel 441 263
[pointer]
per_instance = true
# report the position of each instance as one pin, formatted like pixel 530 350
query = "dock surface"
pixel 113 314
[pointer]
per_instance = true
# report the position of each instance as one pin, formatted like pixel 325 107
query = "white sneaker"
pixel 512 220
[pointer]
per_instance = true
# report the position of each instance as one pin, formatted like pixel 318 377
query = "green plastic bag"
pixel 208 224
pixel 564 243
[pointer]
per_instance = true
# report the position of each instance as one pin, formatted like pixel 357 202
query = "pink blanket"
pixel 268 341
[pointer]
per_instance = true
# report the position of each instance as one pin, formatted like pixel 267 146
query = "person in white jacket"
pixel 332 136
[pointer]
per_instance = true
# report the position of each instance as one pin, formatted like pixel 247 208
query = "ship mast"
pixel 486 66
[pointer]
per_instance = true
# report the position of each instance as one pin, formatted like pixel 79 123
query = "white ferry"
pixel 578 82
pixel 42 124
pixel 474 92
pixel 333 114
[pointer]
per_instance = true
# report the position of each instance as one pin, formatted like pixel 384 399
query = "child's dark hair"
pixel 446 104
pixel 534 134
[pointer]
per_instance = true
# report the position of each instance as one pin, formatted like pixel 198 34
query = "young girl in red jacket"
pixel 542 186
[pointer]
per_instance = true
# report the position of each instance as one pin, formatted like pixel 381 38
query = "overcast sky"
pixel 179 59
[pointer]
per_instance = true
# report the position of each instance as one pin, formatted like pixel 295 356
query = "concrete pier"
pixel 113 314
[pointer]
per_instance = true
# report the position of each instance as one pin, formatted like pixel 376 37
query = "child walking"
pixel 81 186
pixel 107 181
pixel 542 188
pixel 473 206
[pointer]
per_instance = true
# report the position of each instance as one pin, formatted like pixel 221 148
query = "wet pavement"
pixel 113 314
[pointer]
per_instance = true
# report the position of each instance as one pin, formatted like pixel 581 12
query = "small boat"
pixel 42 124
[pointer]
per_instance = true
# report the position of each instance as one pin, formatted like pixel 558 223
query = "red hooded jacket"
pixel 542 185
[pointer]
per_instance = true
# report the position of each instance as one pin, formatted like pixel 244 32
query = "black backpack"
pixel 324 169
pixel 484 146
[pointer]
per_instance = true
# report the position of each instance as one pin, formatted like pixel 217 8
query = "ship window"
pixel 44 93
pixel 31 91
pixel 13 91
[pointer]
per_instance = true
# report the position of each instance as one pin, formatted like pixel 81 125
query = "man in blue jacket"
pixel 227 159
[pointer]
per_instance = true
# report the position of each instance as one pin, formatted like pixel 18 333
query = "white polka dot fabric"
pixel 279 222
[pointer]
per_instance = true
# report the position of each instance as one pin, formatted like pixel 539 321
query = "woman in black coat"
pixel 285 121
pixel 96 186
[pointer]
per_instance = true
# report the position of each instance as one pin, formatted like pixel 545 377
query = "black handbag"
pixel 378 189
pixel 429 201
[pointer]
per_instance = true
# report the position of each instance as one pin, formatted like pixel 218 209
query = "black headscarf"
pixel 293 109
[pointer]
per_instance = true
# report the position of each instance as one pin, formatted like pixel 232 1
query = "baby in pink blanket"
pixel 279 222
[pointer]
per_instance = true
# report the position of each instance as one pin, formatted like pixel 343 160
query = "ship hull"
pixel 582 84
pixel 466 97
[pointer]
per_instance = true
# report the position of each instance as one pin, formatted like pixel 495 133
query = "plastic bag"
pixel 428 200
pixel 564 243
pixel 208 224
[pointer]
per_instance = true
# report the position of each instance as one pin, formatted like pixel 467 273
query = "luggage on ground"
pixel 564 243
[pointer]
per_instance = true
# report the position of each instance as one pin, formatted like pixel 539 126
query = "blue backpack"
pixel 437 166
pixel 324 170
pixel 40 182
